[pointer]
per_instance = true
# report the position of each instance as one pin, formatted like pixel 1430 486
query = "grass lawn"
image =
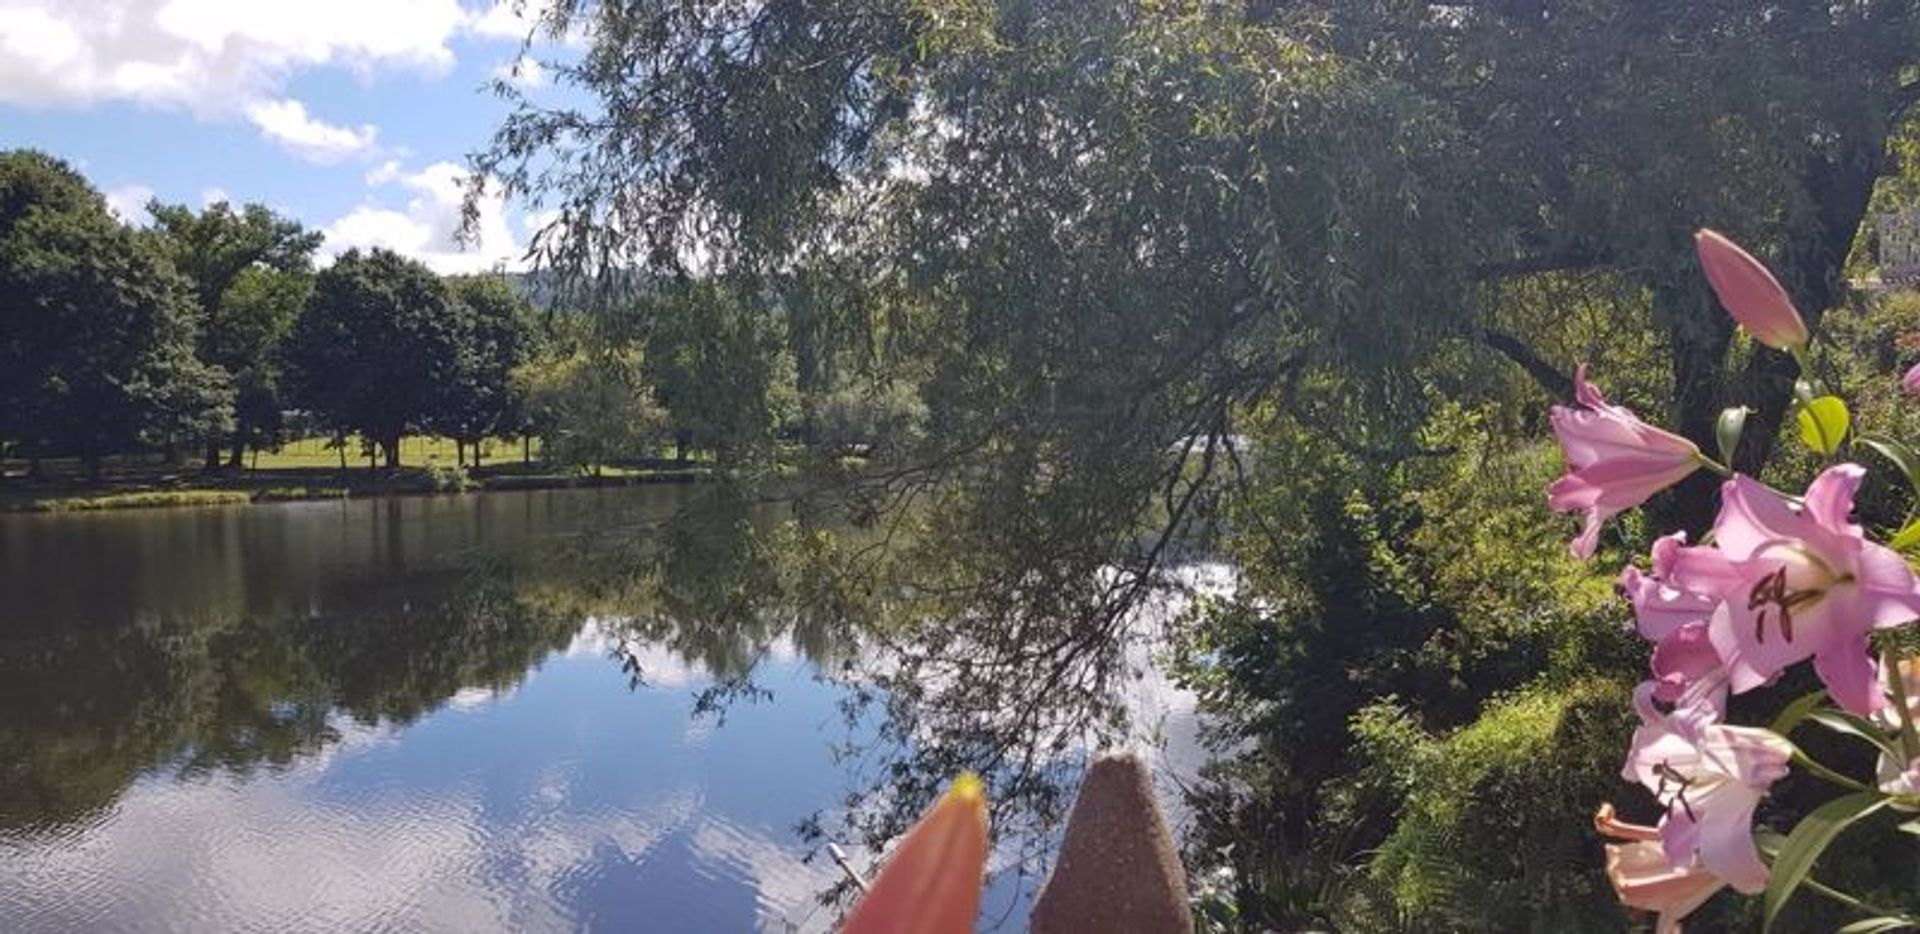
pixel 418 451
pixel 305 469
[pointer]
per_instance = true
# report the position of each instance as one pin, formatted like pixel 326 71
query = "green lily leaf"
pixel 1902 455
pixel 1840 721
pixel 1795 712
pixel 1808 840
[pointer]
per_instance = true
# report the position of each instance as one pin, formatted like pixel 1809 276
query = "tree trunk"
pixel 392 447
pixel 1700 333
pixel 237 460
pixel 526 450
pixel 213 457
pixel 476 455
pixel 459 452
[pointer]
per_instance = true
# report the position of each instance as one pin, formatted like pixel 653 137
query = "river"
pixel 435 713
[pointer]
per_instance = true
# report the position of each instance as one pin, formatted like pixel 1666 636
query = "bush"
pixel 1495 833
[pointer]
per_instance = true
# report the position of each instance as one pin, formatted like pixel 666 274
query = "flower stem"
pixel 1897 686
pixel 1713 465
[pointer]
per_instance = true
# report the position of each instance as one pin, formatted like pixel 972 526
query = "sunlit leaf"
pixel 1876 925
pixel 1823 424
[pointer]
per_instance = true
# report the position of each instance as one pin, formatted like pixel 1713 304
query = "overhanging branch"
pixel 1549 377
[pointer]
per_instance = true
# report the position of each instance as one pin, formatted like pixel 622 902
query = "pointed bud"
pixel 931 883
pixel 1911 381
pixel 1750 293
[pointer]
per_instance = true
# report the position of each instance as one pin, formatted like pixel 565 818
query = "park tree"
pixel 590 407
pixel 496 335
pixel 376 348
pixel 249 269
pixel 96 329
pixel 718 361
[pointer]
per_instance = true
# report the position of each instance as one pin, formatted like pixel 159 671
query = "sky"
pixel 354 117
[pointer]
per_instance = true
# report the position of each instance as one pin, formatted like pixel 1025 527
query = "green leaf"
pixel 1902 456
pixel 1912 827
pixel 1823 424
pixel 1906 538
pixel 1808 840
pixel 1795 712
pixel 1875 925
pixel 1727 431
pixel 1840 721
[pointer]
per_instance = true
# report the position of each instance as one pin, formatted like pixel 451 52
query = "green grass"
pixel 143 500
pixel 416 451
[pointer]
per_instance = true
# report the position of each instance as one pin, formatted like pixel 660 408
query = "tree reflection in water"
pixel 947 665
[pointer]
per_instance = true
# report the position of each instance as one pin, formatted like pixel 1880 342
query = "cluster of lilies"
pixel 1780 579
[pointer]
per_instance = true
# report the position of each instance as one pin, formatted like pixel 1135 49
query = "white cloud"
pixel 208 56
pixel 508 19
pixel 524 72
pixel 212 196
pixel 129 203
pixel 218 59
pixel 287 122
pixel 427 227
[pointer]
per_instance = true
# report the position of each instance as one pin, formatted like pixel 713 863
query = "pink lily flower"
pixel 1750 293
pixel 1645 879
pixel 1911 381
pixel 1615 461
pixel 1799 583
pixel 1674 619
pixel 1709 777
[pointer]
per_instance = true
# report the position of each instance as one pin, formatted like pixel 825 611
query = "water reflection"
pixel 403 713
pixel 540 710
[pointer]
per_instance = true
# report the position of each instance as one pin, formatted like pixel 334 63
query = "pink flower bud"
pixel 1750 293
pixel 1911 381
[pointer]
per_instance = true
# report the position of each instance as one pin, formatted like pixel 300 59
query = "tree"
pixel 591 407
pixel 219 249
pixel 376 348
pixel 96 330
pixel 257 314
pixel 495 337
pixel 718 363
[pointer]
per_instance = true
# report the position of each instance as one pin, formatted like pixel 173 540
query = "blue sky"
pixel 354 116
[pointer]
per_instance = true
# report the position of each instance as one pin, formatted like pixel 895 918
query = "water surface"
pixel 404 714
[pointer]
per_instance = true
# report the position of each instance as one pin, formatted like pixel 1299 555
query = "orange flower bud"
pixel 931 883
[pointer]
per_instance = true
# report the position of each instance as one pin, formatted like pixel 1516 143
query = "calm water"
pixel 401 714
pixel 438 714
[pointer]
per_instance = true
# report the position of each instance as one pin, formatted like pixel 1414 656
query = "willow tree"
pixel 1104 235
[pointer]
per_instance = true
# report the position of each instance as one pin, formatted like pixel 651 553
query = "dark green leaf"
pixel 1795 712
pixel 1840 721
pixel 1808 840
pixel 1902 456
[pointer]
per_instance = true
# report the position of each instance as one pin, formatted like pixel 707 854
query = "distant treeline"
pixel 208 333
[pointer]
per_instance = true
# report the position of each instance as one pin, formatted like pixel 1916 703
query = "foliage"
pixel 96 330
pixel 1493 831
pixel 496 332
pixel 377 347
pixel 591 408
pixel 885 421
pixel 717 361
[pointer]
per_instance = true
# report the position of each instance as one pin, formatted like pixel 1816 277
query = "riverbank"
pixel 161 487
